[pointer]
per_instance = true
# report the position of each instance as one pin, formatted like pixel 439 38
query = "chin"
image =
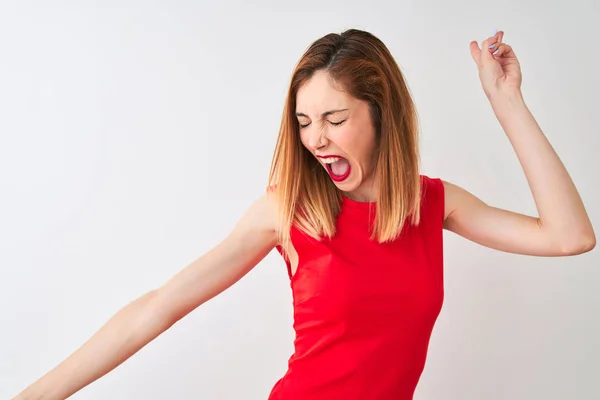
pixel 349 185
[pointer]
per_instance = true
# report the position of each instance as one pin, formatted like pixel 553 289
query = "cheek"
pixel 347 139
pixel 304 139
pixel 357 144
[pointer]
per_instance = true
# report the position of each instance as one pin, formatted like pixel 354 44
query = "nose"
pixel 317 139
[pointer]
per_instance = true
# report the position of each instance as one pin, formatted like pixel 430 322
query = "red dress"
pixel 363 311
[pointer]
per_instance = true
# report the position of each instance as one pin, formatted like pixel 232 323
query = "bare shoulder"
pixel 458 198
pixel 452 196
pixel 260 217
pixel 252 238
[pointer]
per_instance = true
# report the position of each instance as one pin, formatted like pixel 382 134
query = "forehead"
pixel 319 94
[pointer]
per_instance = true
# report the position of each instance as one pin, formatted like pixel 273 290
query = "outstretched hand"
pixel 499 68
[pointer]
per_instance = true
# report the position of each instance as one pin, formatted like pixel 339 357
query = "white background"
pixel 135 134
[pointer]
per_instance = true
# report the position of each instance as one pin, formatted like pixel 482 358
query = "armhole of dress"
pixel 279 247
pixel 434 198
pixel 441 198
pixel 286 259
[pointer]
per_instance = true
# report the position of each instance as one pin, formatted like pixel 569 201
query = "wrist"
pixel 507 103
pixel 510 97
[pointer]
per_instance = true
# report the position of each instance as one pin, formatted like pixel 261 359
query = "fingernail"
pixel 496 52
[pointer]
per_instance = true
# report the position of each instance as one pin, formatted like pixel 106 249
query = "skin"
pixel 562 228
pixel 348 133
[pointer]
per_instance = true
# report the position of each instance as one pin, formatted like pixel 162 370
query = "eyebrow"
pixel 326 113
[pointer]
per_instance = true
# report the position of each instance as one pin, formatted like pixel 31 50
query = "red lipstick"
pixel 334 177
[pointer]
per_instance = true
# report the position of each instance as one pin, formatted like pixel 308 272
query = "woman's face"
pixel 337 129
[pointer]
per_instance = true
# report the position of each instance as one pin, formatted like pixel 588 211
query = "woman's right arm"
pixel 139 322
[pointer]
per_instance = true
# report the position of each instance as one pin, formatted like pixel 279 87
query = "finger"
pixel 500 50
pixel 490 45
pixel 496 37
pixel 507 51
pixel 475 52
pixel 498 44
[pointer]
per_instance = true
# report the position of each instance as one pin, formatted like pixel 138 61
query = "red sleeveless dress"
pixel 363 311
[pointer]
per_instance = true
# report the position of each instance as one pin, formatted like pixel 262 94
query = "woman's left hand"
pixel 499 72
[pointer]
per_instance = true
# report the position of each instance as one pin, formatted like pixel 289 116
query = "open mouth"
pixel 338 167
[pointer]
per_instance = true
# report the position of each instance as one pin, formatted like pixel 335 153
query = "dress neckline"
pixel 364 205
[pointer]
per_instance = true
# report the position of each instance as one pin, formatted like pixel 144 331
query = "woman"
pixel 359 227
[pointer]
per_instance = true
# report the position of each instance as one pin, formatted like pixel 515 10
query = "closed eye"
pixel 332 123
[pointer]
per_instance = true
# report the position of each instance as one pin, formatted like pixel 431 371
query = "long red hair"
pixel 307 198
